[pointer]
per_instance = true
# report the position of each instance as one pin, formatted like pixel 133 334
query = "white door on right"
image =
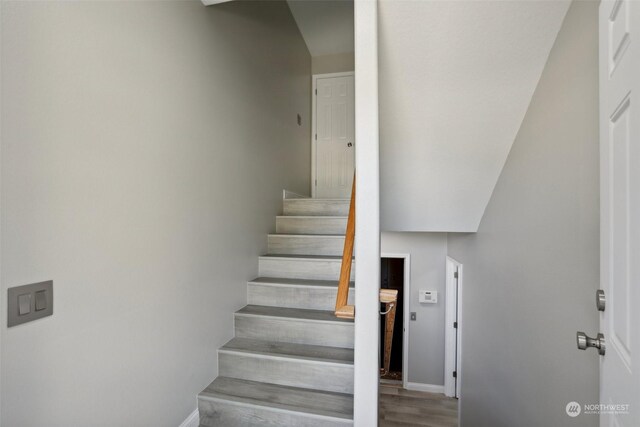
pixel 620 211
pixel 335 136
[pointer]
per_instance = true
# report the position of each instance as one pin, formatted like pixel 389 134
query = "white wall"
pixel 426 334
pixel 531 271
pixel 337 63
pixel 456 78
pixel 145 146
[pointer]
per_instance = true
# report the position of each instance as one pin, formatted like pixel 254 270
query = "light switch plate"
pixel 38 296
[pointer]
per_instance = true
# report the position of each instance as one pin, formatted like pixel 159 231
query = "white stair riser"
pixel 332 334
pixel 217 413
pixel 311 225
pixel 305 245
pixel 292 372
pixel 314 207
pixel 306 297
pixel 301 268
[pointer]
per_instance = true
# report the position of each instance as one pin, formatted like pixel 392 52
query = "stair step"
pixel 235 402
pixel 302 267
pixel 312 207
pixel 294 325
pixel 296 365
pixel 305 244
pixel 295 293
pixel 336 225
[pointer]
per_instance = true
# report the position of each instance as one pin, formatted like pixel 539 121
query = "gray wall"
pixel 531 271
pixel 426 334
pixel 337 63
pixel 145 146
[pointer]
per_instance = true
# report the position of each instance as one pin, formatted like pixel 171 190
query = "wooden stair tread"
pixel 319 200
pixel 305 257
pixel 310 236
pixel 308 352
pixel 343 217
pixel 323 403
pixel 276 281
pixel 312 216
pixel 290 313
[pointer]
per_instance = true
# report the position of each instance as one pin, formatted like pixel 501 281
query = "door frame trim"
pixel 314 86
pixel 453 341
pixel 406 290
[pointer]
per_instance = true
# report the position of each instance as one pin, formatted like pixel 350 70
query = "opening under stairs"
pixel 291 361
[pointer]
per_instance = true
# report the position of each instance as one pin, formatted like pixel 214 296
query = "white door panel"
pixel 620 210
pixel 335 136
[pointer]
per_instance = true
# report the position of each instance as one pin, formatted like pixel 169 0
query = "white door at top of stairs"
pixel 333 135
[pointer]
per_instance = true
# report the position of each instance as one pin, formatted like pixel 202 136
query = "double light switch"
pixel 29 302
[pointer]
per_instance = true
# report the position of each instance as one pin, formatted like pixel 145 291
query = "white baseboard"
pixel 430 388
pixel 193 420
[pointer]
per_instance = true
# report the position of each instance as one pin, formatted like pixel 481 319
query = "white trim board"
pixel 314 86
pixel 452 336
pixel 193 420
pixel 429 388
pixel 367 247
pixel 406 292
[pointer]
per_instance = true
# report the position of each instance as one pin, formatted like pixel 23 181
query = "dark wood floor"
pixel 399 407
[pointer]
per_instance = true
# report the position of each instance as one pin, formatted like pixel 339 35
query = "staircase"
pixel 291 361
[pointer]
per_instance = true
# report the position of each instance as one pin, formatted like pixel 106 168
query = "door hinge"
pixel 455 325
pixel 455 275
pixel 316 136
pixel 455 374
pixel 316 91
pixel 316 182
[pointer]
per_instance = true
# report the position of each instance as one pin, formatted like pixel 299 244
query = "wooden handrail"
pixel 388 297
pixel 343 310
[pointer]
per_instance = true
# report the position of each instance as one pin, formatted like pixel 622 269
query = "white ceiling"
pixel 456 78
pixel 326 25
